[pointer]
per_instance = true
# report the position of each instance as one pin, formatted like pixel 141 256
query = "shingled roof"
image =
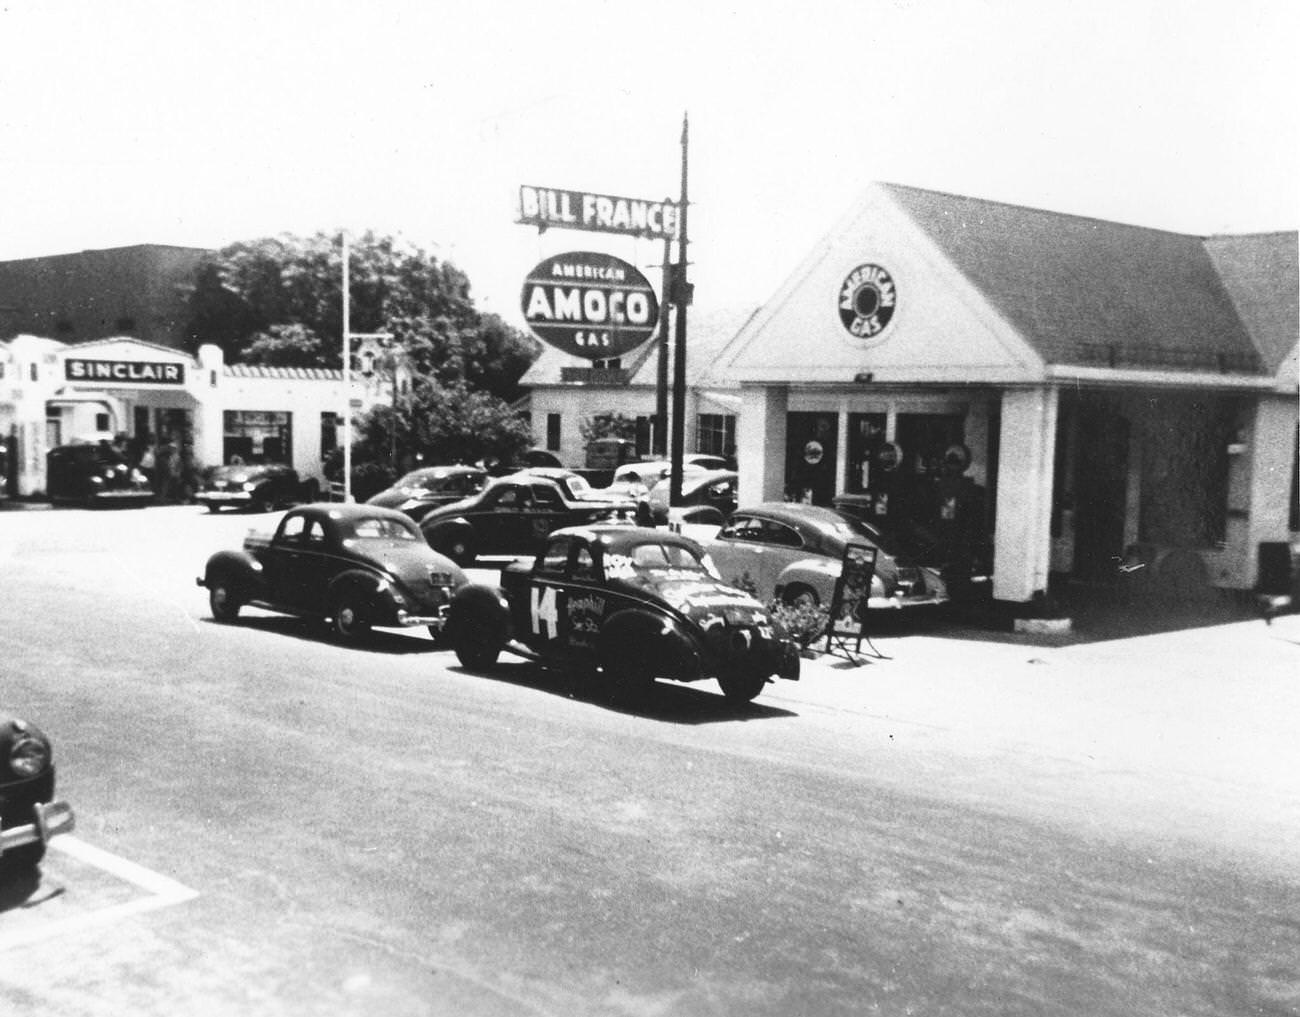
pixel 1089 292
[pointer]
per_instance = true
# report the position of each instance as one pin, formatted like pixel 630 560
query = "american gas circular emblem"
pixel 867 298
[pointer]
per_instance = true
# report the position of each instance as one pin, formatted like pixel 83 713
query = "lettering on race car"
pixel 544 611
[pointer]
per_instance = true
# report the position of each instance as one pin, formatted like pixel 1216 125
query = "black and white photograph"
pixel 585 509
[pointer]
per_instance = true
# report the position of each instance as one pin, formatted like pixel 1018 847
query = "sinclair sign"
pixel 589 305
pixel 547 207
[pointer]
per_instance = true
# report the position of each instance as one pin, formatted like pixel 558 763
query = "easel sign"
pixel 849 601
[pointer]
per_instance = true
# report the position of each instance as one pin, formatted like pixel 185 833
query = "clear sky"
pixel 178 122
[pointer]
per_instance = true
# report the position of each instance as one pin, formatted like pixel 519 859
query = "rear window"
pixel 375 528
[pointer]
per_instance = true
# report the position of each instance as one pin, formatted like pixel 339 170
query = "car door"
pixel 282 560
pixel 739 554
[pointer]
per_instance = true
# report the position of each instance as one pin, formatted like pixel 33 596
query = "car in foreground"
pixel 627 605
pixel 512 515
pixel 421 491
pixel 793 552
pixel 359 566
pixel 261 487
pixel 715 488
pixel 29 813
pixel 94 475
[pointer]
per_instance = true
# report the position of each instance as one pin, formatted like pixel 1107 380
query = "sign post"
pixel 848 610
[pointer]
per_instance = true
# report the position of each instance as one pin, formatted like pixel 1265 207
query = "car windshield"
pixel 376 528
pixel 659 557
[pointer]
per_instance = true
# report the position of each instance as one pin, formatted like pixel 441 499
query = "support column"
pixel 760 443
pixel 1022 538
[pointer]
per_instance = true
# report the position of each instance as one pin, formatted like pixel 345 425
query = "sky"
pixel 203 124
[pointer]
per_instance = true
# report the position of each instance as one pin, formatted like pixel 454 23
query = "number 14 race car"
pixel 629 604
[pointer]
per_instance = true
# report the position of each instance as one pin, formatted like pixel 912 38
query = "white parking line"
pixel 161 892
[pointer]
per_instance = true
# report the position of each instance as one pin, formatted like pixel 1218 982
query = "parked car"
pixel 512 515
pixel 29 813
pixel 716 488
pixel 261 487
pixel 420 491
pixel 627 603
pixel 636 479
pixel 360 566
pixel 793 552
pixel 94 475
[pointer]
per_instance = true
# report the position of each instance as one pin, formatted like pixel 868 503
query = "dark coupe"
pixel 261 487
pixel 421 491
pixel 512 515
pixel 29 813
pixel 629 603
pixel 94 475
pixel 357 565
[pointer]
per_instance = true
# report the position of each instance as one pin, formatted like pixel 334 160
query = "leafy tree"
pixel 440 424
pixel 279 301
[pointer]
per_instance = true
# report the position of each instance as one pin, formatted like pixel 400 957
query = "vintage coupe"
pixel 512 515
pixel 794 552
pixel 29 813
pixel 261 487
pixel 359 566
pixel 628 604
pixel 715 488
pixel 94 475
pixel 421 491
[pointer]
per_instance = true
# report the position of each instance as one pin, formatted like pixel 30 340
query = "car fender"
pixel 238 569
pixel 659 637
pixel 487 603
pixel 369 589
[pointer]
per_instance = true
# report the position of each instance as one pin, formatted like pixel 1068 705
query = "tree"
pixel 279 301
pixel 440 424
pixel 607 425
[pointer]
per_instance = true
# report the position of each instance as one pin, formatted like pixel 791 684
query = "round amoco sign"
pixel 590 305
pixel 866 302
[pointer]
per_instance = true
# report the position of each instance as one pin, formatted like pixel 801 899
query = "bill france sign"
pixel 590 305
pixel 545 207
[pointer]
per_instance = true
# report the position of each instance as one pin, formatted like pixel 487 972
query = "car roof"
pixel 347 511
pixel 792 512
pixel 619 536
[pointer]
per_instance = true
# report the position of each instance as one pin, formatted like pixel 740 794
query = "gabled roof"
pixel 707 334
pixel 1088 292
pixel 1262 277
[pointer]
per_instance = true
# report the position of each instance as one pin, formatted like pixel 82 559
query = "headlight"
pixel 249 485
pixel 29 757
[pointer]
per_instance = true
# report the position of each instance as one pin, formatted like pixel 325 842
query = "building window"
pixel 612 364
pixel 553 432
pixel 715 434
pixel 32 372
pixel 644 435
pixel 101 422
pixel 329 433
pixel 258 436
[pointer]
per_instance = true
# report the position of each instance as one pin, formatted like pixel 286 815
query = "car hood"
pixel 236 474
pixel 702 599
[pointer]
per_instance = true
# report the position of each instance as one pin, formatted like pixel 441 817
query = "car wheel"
pixel 263 503
pixel 349 620
pixel 477 642
pixel 798 595
pixel 22 859
pixel 224 601
pixel 213 507
pixel 742 688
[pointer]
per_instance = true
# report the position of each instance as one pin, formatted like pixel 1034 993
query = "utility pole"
pixel 681 297
pixel 347 378
pixel 660 447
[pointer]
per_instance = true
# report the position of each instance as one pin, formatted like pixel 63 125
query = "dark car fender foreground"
pixel 29 813
pixel 625 605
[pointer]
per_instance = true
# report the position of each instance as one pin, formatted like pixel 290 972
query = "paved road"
pixel 270 823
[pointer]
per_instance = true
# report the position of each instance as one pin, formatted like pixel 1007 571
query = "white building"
pixel 53 393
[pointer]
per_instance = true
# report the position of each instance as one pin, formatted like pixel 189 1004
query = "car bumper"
pixel 49 819
pixel 437 620
pixel 123 495
pixel 896 603
pixel 224 497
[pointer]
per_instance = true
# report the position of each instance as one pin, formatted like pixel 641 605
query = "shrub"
pixel 804 623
